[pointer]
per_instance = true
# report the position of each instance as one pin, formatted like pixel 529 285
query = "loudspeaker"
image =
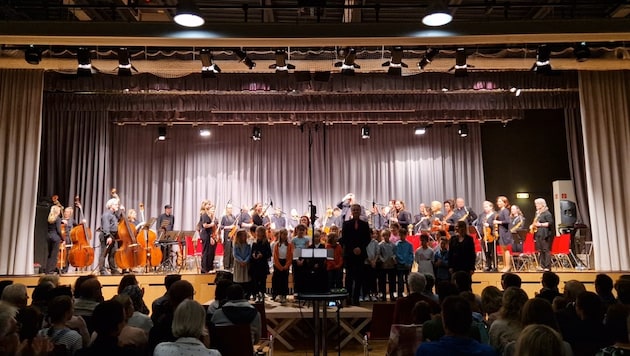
pixel 568 213
pixel 40 235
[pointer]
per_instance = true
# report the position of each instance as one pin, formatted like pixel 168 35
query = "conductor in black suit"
pixel 355 238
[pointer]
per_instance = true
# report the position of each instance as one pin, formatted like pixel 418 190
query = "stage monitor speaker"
pixel 568 213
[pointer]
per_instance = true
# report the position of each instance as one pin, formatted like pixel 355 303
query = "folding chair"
pixel 194 251
pixel 560 251
pixel 526 260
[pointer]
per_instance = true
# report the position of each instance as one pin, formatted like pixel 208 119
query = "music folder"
pixel 146 225
pixel 169 237
pixel 316 253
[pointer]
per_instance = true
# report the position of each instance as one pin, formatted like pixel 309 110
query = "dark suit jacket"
pixel 352 238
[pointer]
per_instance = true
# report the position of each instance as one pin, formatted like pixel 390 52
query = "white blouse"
pixel 184 346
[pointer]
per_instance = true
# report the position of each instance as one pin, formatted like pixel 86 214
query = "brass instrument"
pixel 518 225
pixel 465 216
pixel 533 228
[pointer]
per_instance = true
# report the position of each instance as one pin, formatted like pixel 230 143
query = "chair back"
pixel 561 245
pixel 529 247
pixel 477 245
pixel 264 334
pixel 382 319
pixel 190 247
pixel 232 340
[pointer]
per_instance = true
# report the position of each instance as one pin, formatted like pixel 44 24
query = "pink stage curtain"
pixel 605 107
pixel 21 93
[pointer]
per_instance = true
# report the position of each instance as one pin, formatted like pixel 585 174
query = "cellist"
pixel 109 233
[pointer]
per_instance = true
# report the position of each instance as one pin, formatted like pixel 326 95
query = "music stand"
pixel 167 239
pixel 146 225
pixel 185 252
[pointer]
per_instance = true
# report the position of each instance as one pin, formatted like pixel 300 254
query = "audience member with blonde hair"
pixel 508 326
pixel 539 340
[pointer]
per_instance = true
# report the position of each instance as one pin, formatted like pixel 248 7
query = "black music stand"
pixel 316 299
pixel 185 253
pixel 167 239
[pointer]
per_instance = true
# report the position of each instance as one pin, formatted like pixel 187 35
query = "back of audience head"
pixel 603 284
pixel 550 280
pixel 622 286
pixel 170 279
pixel 416 282
pixel 108 318
pixel 15 294
pixel 4 284
pixel 539 340
pixel 180 291
pixel 510 280
pixel 126 303
pixel 8 312
pixel 446 289
pixel 189 319
pixel 491 297
pixel 589 306
pixel 430 283
pixel 78 284
pixel 235 292
pixel 135 294
pixel 559 303
pixel 572 289
pixel 456 316
pixel 512 303
pixel 41 295
pixel 421 312
pixel 220 292
pixel 51 278
pixel 538 311
pixel 30 320
pixel 60 309
pixel 617 323
pixel 462 280
pixel 127 280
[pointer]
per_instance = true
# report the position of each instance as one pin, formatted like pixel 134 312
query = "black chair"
pixel 232 340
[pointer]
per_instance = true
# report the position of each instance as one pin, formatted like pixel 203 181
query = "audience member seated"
pixel 10 340
pixel 457 320
pixel 539 340
pixel 52 278
pixel 622 286
pixel 41 297
pixel 549 289
pixel 90 295
pixel 4 284
pixel 404 305
pixel 567 317
pixel 604 288
pixel 477 316
pixel 131 280
pixel 537 311
pixel 161 331
pixel 131 336
pixel 189 329
pixel 491 303
pixel 510 280
pixel 433 329
pixel 589 335
pixel 617 325
pixel 16 295
pixel 405 339
pixel 109 320
pixel 158 307
pixel 428 289
pixel 508 326
pixel 60 310
pixel 220 297
pixel 138 319
pixel 237 310
pixel 30 320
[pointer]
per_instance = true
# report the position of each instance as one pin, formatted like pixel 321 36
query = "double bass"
pixel 146 239
pixel 81 254
pixel 129 254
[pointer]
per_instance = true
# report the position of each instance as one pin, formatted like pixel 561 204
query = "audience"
pixel 131 336
pixel 109 320
pixel 131 280
pixel 60 310
pixel 510 280
pixel 549 289
pixel 617 325
pixel 90 295
pixel 457 320
pixel 220 297
pixel 622 286
pixel 589 335
pixel 189 329
pixel 16 295
pixel 539 340
pixel 237 310
pixel 158 307
pixel 404 305
pixel 507 327
pixel 161 331
pixel 604 288
pixel 567 317
pixel 138 319
pixel 491 297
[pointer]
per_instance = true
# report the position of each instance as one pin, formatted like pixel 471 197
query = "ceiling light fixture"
pixel 161 133
pixel 462 131
pixel 84 57
pixel 437 14
pixel 365 132
pixel 204 132
pixel 582 52
pixel 460 67
pixel 428 57
pixel 256 133
pixel 420 130
pixel 188 14
pixel 543 62
pixel 242 57
pixel 347 65
pixel 32 55
pixel 124 63
pixel 281 65
pixel 395 64
pixel 208 68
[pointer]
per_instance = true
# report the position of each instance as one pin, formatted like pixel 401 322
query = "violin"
pixel 130 254
pixel 81 254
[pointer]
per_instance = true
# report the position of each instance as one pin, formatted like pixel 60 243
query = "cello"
pixel 81 254
pixel 129 254
pixel 146 239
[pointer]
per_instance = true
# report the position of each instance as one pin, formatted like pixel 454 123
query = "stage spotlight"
pixel 437 14
pixel 462 131
pixel 84 69
pixel 395 64
pixel 32 55
pixel 205 132
pixel 420 130
pixel 161 133
pixel 460 67
pixel 188 14
pixel 348 66
pixel 428 57
pixel 208 68
pixel 256 133
pixel 242 57
pixel 582 52
pixel 365 132
pixel 124 63
pixel 543 62
pixel 281 64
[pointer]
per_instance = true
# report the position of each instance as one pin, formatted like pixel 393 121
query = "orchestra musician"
pixel 400 215
pixel 484 226
pixel 132 217
pixel 517 223
pixel 257 214
pixel 54 238
pixel 502 221
pixel 69 223
pixel 109 234
pixel 448 221
pixel 544 233
pixel 436 211
pixel 165 223
pixel 207 227
pixel 423 222
pixel 244 219
pixel 325 221
pixel 228 222
pixel 277 220
pixel 463 212
pixel 378 218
